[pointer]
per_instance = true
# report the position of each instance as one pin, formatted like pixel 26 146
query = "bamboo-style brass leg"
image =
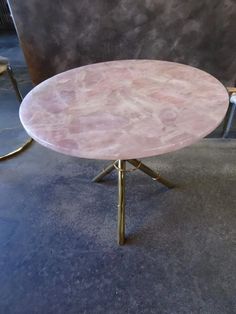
pixel 155 176
pixel 120 166
pixel 121 202
pixel 105 171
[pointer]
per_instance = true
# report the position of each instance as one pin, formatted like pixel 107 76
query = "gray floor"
pixel 58 251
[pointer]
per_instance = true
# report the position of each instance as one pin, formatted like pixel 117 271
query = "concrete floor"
pixel 58 251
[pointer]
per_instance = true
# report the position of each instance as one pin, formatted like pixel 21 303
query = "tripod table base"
pixel 120 166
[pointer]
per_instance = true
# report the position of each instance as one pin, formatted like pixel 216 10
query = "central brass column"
pixel 120 166
pixel 121 201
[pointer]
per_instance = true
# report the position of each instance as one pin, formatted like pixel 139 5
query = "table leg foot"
pixel 121 201
pixel 154 175
pixel 105 171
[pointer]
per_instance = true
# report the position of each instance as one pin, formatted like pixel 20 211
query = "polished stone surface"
pixel 124 109
pixel 58 250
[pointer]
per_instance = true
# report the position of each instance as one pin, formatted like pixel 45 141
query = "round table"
pixel 124 110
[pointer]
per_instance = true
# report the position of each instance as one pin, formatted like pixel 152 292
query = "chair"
pixel 5 68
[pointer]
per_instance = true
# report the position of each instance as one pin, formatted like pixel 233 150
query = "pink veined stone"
pixel 124 109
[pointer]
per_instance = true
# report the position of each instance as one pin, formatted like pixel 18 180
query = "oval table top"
pixel 124 109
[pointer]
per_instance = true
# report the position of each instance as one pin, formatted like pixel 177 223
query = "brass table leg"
pixel 155 176
pixel 120 166
pixel 105 171
pixel 121 202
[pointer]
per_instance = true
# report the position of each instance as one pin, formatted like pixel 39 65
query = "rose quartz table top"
pixel 124 109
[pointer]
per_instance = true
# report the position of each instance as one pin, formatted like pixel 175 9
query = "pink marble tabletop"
pixel 124 109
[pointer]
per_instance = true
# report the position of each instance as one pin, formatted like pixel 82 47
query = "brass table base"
pixel 120 166
pixel 9 71
pixel 18 150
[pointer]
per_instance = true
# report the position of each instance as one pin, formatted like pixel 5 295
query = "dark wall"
pixel 62 34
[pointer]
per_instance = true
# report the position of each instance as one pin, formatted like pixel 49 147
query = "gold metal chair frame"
pixel 9 71
pixel 120 166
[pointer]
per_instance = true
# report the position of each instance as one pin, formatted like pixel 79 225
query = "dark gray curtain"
pixel 59 35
